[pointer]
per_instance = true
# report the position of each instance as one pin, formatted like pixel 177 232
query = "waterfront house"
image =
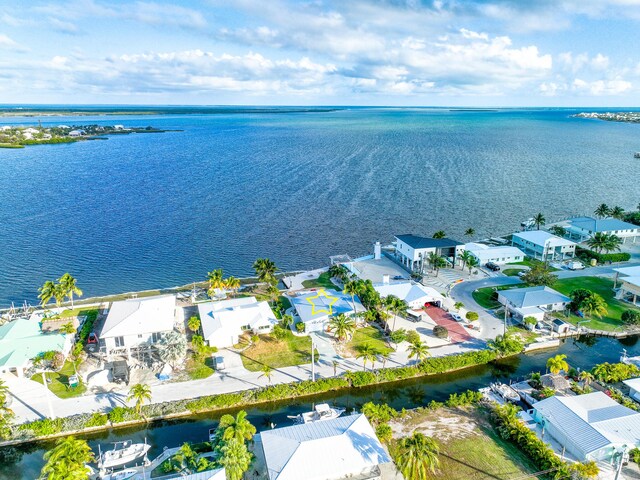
pixel 629 288
pixel 23 339
pixel 590 427
pixel 223 322
pixel 413 251
pixel 532 301
pixel 415 294
pixel 634 388
pixel 76 133
pixel 137 323
pixel 585 227
pixel 315 308
pixel 543 245
pixel 345 447
pixel 496 254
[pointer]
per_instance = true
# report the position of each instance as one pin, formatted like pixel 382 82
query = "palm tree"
pixel 368 354
pixel 439 234
pixel 395 305
pixel 594 305
pixel 458 305
pixel 193 324
pixel 612 243
pixel 342 326
pixel 267 372
pixel 586 377
pixel 436 261
pixel 558 230
pixel 215 279
pixel 539 220
pixel 287 321
pixel 617 212
pixel 465 257
pixel 273 292
pixel 418 350
pixel 604 241
pixel 265 269
pixel 351 288
pixel 233 284
pixel 602 211
pixel 68 284
pixel 68 460
pixel 47 291
pixel 557 364
pixel 140 392
pixel 469 232
pixel 383 357
pixel 335 367
pixel 67 329
pixel 235 459
pixel 472 263
pixel 417 456
pixel 238 427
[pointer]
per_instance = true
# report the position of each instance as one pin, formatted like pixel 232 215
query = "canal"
pixel 25 461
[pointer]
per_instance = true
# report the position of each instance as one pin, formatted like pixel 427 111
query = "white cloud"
pixel 601 87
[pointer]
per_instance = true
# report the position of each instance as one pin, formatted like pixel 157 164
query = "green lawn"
pixel 368 336
pixel 527 335
pixel 512 272
pixel 482 296
pixel 604 288
pixel 60 382
pixel 530 262
pixel 198 370
pixel 322 281
pixel 286 303
pixel 292 350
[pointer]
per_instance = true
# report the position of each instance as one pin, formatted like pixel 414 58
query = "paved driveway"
pixel 457 333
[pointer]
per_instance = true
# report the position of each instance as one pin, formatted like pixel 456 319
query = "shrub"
pixel 384 433
pixel 378 414
pixel 472 316
pixel 300 327
pixel 398 336
pixel 213 402
pixel 96 419
pixel 631 317
pixel 440 331
pixel 413 336
pixel 122 414
pixel 602 257
pixel 614 372
pixel 464 399
pixel 360 379
pixel 45 426
pixel 634 455
pixel 58 361
pixel 279 332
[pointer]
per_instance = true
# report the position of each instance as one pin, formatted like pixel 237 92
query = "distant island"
pixel 19 136
pixel 104 110
pixel 629 117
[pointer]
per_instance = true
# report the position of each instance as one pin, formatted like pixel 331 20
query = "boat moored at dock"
pixel 122 454
pixel 321 412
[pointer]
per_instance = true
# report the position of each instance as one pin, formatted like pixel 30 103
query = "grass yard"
pixel 276 353
pixel 323 281
pixel 604 288
pixel 482 296
pixel 367 336
pixel 197 370
pixel 530 262
pixel 527 335
pixel 469 448
pixel 60 382
pixel 512 272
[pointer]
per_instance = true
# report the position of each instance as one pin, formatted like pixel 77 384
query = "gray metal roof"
pixel 533 296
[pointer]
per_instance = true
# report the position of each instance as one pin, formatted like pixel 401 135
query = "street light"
pixel 313 363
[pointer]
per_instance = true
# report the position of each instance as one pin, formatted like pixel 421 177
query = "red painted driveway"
pixel 457 332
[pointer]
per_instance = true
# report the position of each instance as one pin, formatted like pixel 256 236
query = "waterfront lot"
pixel 292 350
pixel 323 281
pixel 469 448
pixel 367 336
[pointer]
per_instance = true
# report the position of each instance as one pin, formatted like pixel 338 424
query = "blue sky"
pixel 315 52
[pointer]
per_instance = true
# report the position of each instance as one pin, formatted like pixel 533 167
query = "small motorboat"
pixel 321 412
pixel 121 454
pixel 505 391
pixel 128 474
pixel 636 155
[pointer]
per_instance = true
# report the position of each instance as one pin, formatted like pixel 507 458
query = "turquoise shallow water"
pixel 146 211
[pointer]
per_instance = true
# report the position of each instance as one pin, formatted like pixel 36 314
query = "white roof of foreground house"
pixel 323 303
pixel 22 339
pixel 540 237
pixel 410 292
pixel 331 449
pixel 628 271
pixel 592 421
pixel 227 317
pixel 533 296
pixel 487 251
pixel 137 316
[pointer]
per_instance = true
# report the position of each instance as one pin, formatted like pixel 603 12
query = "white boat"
pixel 321 412
pixel 505 391
pixel 121 454
pixel 128 474
pixel 630 360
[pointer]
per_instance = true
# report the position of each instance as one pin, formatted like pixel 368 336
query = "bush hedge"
pixel 603 257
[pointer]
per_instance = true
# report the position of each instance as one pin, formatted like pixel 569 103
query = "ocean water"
pixel 156 210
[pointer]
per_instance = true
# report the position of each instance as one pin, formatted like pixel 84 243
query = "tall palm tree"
pixel 602 211
pixel 594 305
pixel 469 232
pixel 586 377
pixel 396 306
pixel 67 460
pixel 367 353
pixel 265 269
pixel 439 234
pixel 612 243
pixel 597 241
pixel 417 456
pixel 352 288
pixel 617 212
pixel 437 262
pixel 472 263
pixel 342 326
pixel 233 284
pixel 465 257
pixel 557 364
pixel 267 372
pixel 47 291
pixel 539 220
pixel 418 350
pixel 69 286
pixel 383 356
pixel 140 392
pixel 193 324
pixel 235 458
pixel 215 279
pixel 238 427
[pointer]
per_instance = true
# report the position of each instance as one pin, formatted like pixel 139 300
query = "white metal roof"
pixel 324 303
pixel 633 383
pixel 629 271
pixel 137 316
pixel 540 237
pixel 493 251
pixel 410 292
pixel 329 449
pixel 226 318
pixel 635 280
pixel 592 421
pixel 533 296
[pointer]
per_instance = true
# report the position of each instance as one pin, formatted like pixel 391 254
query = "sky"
pixel 321 52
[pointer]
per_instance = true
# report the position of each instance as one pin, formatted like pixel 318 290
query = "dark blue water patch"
pixel 148 211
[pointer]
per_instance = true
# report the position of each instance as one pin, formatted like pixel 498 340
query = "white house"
pixel 544 245
pixel 589 427
pixel 415 294
pixel 223 322
pixel 532 301
pixel 342 448
pixel 23 339
pixel 496 254
pixel 137 321
pixel 315 308
pixel 634 388
pixel 413 251
pixel 629 289
pixel 586 227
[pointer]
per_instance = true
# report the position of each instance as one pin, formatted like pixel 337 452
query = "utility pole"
pixel 313 362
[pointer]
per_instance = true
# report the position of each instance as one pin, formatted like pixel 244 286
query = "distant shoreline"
pixel 86 112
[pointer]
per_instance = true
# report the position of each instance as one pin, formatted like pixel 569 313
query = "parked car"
pixel 456 317
pixel 219 363
pixel 521 273
pixel 575 266
pixel 399 277
pixel 492 266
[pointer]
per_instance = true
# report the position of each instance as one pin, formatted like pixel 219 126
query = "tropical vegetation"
pixel 140 392
pixel 67 460
pixel 417 456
